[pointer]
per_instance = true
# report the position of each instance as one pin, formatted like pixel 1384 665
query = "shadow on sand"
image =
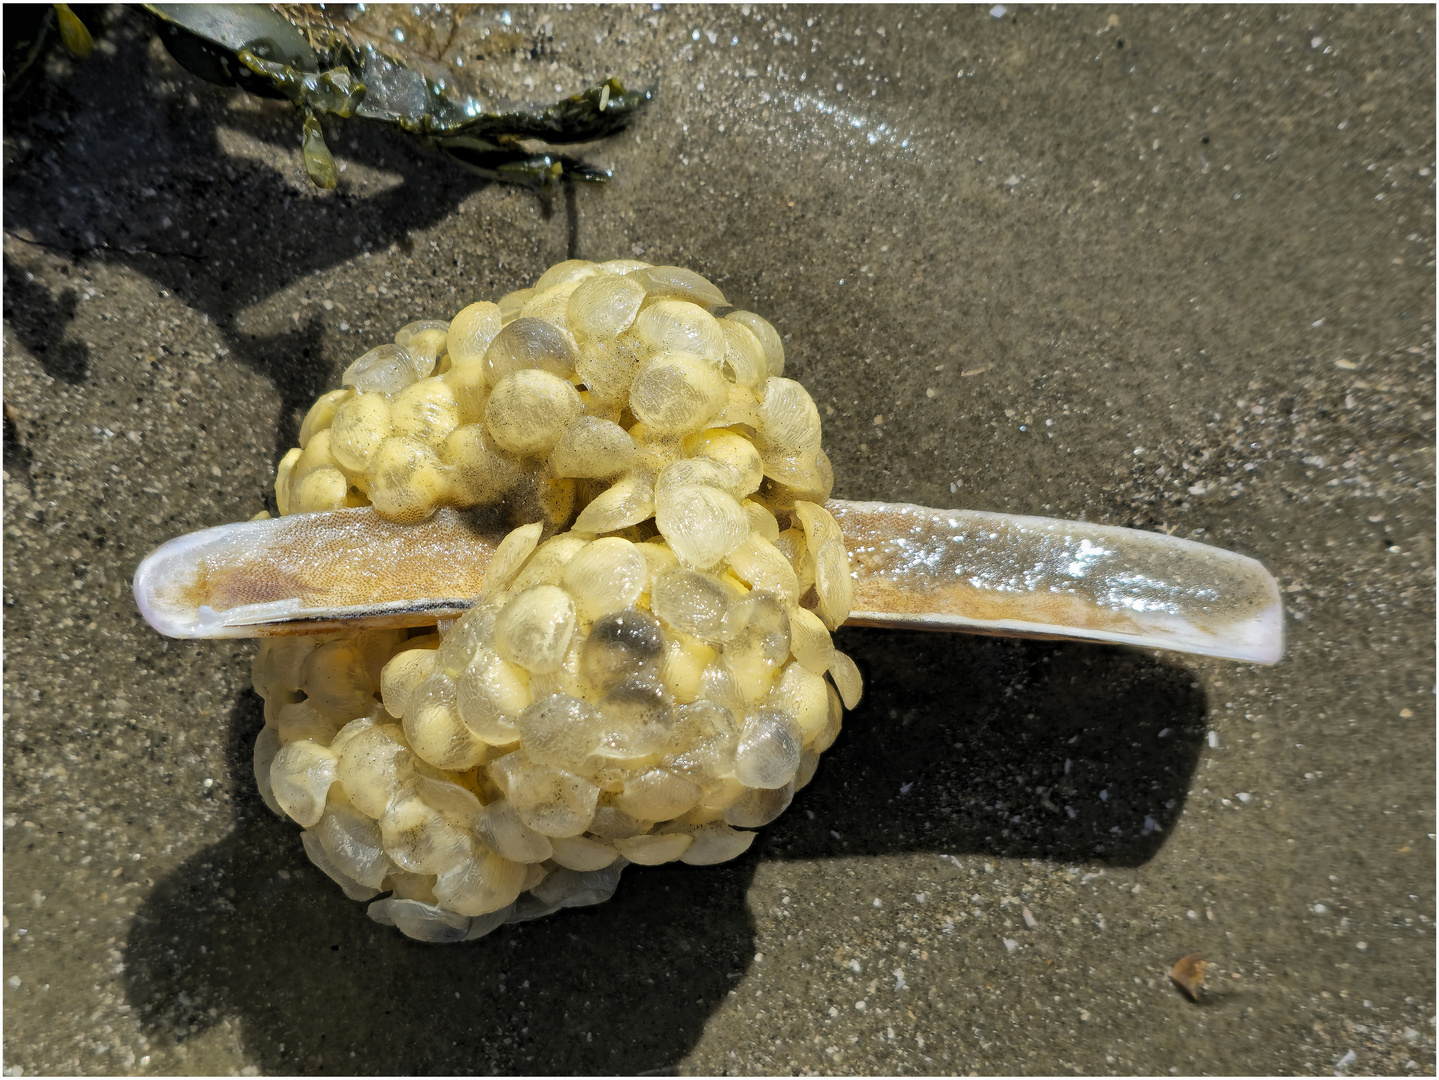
pixel 965 746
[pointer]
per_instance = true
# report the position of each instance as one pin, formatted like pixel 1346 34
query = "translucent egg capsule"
pixel 794 477
pixel 675 282
pixel 511 554
pixel 267 745
pixel 592 448
pixel 562 731
pixel 715 843
pixel 654 849
pixel 567 678
pixel 602 307
pixel 759 806
pixel 767 336
pixel 657 794
pixel 322 860
pixel 322 413
pixel 511 303
pixel 755 632
pixel 280 662
pixel 324 489
pixel 792 546
pixel 809 640
pixel 833 584
pixel 789 421
pixel 372 767
pixel 529 410
pixel 761 565
pixel 360 425
pixel 819 525
pixel 701 524
pixel 791 479
pixel 480 471
pixel 659 558
pixel 702 741
pixel 336 677
pixel 473 631
pixel 405 671
pixel 549 800
pixel 427 411
pixel 571 888
pixel 570 270
pixel 677 393
pixel 283 472
pixel 699 472
pixel 387 369
pixel 741 410
pixel 802 696
pixel 831 730
pixel 300 777
pixel 624 266
pixel 808 765
pixel 620 644
pixel 762 521
pixel 499 826
pixel 533 630
pixel 846 679
pixel 628 501
pixel 607 575
pixel 551 305
pixel 479 884
pixel 767 754
pixel 654 452
pixel 607 367
pixel 530 344
pixel 434 729
pixel 734 450
pixel 471 332
pixel 583 853
pixel 406 480
pixel 316 455
pixel 680 326
pixel 470 386
pixel 418 838
pixel 640 713
pixel 353 843
pixel 692 601
pixel 612 823
pixel 355 727
pixel 548 563
pixel 744 359
pixel 685 659
pixel 303 720
pixel 490 695
pixel 420 921
pixel 425 341
pixel 407 886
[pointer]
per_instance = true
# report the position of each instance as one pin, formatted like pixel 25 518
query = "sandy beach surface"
pixel 1141 266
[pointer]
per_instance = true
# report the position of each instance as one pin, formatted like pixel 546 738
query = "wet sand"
pixel 1162 269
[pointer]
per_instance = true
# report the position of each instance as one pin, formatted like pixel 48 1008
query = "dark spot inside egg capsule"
pixel 622 643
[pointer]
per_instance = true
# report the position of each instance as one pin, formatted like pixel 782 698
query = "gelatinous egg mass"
pixel 648 674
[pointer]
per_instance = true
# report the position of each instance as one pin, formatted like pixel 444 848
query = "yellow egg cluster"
pixel 644 676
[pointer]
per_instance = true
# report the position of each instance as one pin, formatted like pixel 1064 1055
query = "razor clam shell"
pixel 913 567
pixel 315 573
pixel 1019 576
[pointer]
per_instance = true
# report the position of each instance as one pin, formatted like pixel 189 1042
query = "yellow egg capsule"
pixel 322 413
pixel 360 425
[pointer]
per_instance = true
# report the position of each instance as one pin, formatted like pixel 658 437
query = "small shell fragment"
pixel 1188 974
